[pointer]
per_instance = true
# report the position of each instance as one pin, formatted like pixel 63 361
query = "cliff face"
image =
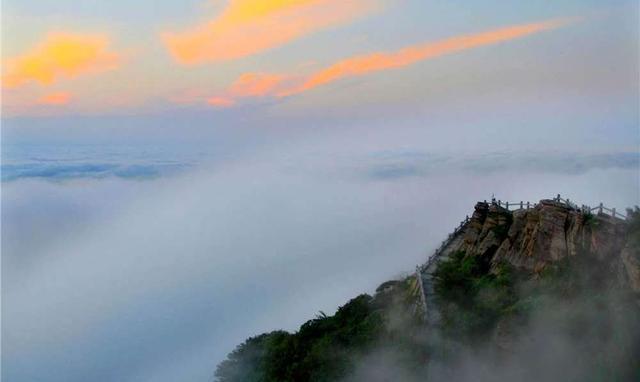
pixel 534 294
pixel 531 239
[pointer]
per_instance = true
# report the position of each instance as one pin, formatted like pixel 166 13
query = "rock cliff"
pixel 548 293
pixel 531 239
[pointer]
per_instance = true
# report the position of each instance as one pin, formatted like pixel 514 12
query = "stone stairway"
pixel 424 274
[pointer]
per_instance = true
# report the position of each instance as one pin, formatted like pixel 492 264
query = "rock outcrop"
pixel 631 268
pixel 531 239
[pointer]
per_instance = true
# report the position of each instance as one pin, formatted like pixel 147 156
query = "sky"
pixel 180 175
pixel 68 58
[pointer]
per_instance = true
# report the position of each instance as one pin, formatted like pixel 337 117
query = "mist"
pixel 158 279
pixel 589 336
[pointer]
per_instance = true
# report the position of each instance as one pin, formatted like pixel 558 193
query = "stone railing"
pixel 521 205
pixel 509 206
pixel 421 292
pixel 443 245
pixel 435 257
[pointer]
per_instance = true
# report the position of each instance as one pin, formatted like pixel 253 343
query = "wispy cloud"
pixel 375 62
pixel 257 84
pixel 60 55
pixel 394 165
pixel 282 85
pixel 91 170
pixel 251 85
pixel 59 98
pixel 246 27
pixel 221 102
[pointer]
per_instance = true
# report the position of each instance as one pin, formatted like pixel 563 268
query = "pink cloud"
pixel 221 102
pixel 60 98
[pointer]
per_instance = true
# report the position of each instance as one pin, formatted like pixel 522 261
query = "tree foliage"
pixel 324 348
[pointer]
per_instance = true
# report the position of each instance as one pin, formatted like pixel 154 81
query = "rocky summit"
pixel 530 239
pixel 538 291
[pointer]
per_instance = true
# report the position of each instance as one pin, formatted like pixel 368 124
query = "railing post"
pixel 527 205
pixel 613 212
pixel 507 205
pixel 521 204
pixel 558 198
pixel 499 202
pixel 600 208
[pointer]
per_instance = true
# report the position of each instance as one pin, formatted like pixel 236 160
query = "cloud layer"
pixel 88 170
pixel 157 281
pixel 246 27
pixel 395 165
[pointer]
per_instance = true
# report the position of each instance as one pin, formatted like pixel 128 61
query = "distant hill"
pixel 550 291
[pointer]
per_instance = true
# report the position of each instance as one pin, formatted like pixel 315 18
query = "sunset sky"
pixel 180 175
pixel 111 58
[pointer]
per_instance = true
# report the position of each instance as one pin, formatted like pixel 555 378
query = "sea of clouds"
pixel 132 267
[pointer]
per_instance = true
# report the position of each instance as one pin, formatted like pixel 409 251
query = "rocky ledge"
pixel 531 239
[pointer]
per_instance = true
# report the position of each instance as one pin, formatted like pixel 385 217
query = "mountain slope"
pixel 545 293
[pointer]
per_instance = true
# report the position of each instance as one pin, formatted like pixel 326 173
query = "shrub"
pixel 472 298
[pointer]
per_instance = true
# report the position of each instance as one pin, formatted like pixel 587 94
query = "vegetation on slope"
pixel 569 322
pixel 471 298
pixel 326 348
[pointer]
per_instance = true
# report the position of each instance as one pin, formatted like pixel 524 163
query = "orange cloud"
pixel 251 85
pixel 246 27
pixel 221 102
pixel 60 98
pixel 60 55
pixel 256 84
pixel 375 62
pixel 262 84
